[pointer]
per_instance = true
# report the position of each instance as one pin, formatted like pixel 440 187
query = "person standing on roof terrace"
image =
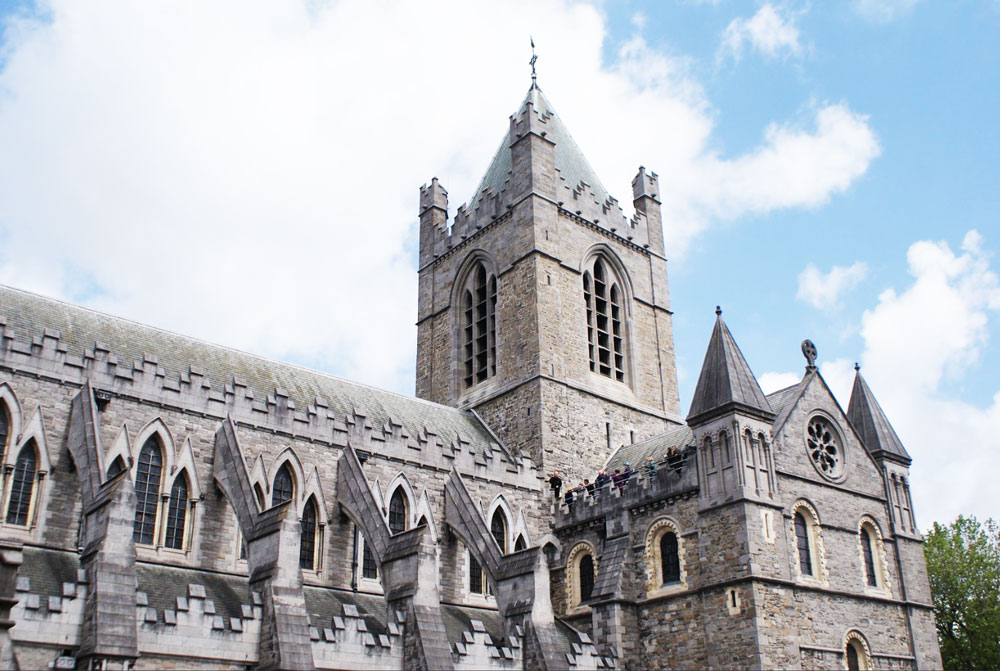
pixel 555 482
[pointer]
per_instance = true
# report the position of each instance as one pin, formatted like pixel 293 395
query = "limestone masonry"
pixel 171 504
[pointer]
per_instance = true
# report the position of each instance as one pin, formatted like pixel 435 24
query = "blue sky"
pixel 828 172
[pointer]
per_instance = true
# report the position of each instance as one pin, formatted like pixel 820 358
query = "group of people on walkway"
pixel 620 479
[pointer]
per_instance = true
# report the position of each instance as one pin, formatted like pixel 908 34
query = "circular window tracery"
pixel 824 446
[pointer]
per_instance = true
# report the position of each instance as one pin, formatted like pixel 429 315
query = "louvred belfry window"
pixel 22 486
pixel 605 320
pixel 479 330
pixel 147 492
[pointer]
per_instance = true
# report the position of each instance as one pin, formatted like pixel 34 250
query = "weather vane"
pixel 534 76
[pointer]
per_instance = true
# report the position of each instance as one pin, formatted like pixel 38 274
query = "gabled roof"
pixel 654 447
pixel 29 315
pixel 573 167
pixel 726 381
pixel 873 427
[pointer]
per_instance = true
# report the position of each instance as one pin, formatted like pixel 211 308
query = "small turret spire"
pixel 534 57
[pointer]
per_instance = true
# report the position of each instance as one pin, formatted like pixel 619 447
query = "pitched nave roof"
pixel 28 315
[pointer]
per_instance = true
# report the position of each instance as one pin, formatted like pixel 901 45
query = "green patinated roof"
pixel 29 314
pixel 572 165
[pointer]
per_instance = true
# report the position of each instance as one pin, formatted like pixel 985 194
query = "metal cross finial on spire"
pixel 534 76
pixel 809 352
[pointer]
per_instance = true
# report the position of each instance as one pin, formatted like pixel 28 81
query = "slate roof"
pixel 29 314
pixel 726 380
pixel 781 398
pixel 655 447
pixel 682 437
pixel 47 569
pixel 868 419
pixel 572 165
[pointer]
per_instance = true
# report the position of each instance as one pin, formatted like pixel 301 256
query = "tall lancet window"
pixel 498 528
pixel 22 486
pixel 397 512
pixel 605 320
pixel 479 326
pixel 308 545
pixel 147 492
pixel 177 513
pixel 283 488
pixel 4 431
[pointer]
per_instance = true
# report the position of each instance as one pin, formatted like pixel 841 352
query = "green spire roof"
pixel 867 418
pixel 573 167
pixel 726 381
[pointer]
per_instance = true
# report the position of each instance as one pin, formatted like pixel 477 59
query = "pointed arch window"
pixel 22 486
pixel 520 544
pixel 498 528
pixel 479 329
pixel 117 466
pixel 308 545
pixel 603 296
pixel 283 488
pixel 147 492
pixel 177 513
pixel 398 512
pixel 670 563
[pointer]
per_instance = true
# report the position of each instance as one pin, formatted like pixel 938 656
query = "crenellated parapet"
pixel 576 202
pixel 322 409
pixel 673 479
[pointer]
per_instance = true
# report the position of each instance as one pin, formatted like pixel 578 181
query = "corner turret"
pixel 433 219
pixel 646 200
pixel 880 439
pixel 731 422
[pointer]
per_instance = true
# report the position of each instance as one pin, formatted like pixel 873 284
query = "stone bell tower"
pixel 543 307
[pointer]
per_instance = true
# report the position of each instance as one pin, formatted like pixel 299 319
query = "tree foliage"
pixel 963 564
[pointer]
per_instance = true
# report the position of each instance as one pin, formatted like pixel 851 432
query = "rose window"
pixel 824 447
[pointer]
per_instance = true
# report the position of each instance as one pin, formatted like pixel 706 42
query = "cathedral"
pixel 173 504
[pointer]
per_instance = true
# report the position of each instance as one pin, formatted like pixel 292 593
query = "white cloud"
pixel 823 291
pixel 772 381
pixel 767 32
pixel 883 11
pixel 915 341
pixel 247 171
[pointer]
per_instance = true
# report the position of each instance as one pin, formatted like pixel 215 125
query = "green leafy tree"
pixel 963 564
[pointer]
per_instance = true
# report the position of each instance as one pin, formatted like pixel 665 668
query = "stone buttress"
pixel 272 540
pixel 409 568
pixel 109 638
